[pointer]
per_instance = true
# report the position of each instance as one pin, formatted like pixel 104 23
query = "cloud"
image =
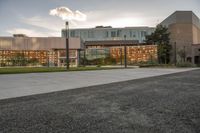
pixel 118 18
pixel 67 14
pixel 44 22
pixel 51 26
pixel 32 32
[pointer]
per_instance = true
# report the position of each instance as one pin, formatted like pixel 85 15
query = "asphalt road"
pixel 162 104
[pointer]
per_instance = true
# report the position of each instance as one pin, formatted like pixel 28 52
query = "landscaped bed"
pixel 17 70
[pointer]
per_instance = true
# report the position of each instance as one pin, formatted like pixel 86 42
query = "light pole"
pixel 175 53
pixel 120 48
pixel 199 57
pixel 184 53
pixel 67 45
pixel 125 51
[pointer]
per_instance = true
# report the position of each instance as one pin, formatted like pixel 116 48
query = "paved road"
pixel 163 104
pixel 28 84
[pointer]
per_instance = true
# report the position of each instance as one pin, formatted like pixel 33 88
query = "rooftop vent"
pixel 19 35
pixel 103 27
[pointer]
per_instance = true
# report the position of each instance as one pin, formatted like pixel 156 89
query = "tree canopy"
pixel 161 38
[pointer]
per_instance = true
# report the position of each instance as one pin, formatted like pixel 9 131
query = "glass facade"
pixel 42 57
pixel 22 58
pixel 115 55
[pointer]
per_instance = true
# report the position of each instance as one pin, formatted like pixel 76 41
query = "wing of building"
pixel 184 27
pixel 101 33
pixel 46 50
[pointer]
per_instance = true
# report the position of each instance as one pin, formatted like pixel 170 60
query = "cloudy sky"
pixel 47 17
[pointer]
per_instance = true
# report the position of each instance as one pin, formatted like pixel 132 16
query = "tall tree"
pixel 161 38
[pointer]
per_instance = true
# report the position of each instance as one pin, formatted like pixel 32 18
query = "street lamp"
pixel 67 45
pixel 120 48
pixel 125 51
pixel 184 53
pixel 175 53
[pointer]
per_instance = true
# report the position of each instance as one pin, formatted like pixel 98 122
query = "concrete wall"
pixel 6 43
pixel 37 43
pixel 196 34
pixel 182 34
pixel 184 27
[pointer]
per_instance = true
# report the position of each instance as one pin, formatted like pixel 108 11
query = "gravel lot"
pixel 163 104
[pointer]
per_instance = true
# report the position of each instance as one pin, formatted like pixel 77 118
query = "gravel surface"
pixel 163 104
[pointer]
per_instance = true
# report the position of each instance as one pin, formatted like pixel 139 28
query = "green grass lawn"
pixel 15 70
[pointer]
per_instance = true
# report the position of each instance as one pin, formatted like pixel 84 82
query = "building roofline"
pixel 174 13
pixel 113 28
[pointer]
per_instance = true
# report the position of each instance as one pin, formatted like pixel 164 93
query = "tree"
pixel 33 61
pixel 161 38
pixel 182 54
pixel 18 59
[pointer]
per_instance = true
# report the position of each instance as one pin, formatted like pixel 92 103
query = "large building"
pixel 184 28
pixel 41 50
pixel 21 50
pixel 105 43
pixel 101 33
pixel 110 40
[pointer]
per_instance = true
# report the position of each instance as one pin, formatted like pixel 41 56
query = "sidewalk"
pixel 16 85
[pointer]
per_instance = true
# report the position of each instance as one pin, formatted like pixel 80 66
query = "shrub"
pixel 185 64
pixel 99 65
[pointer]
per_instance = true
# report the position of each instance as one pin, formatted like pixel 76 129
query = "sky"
pixel 47 17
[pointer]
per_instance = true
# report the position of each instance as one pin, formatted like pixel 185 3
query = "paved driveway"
pixel 16 85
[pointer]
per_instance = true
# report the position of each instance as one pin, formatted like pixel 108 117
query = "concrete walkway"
pixel 16 85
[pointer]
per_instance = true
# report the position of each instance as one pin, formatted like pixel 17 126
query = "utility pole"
pixel 175 53
pixel 67 45
pixel 120 49
pixel 125 51
pixel 184 53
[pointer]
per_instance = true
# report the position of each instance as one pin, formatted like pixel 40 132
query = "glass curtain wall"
pixel 115 55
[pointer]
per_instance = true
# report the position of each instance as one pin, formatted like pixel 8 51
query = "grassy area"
pixel 15 70
pixel 157 66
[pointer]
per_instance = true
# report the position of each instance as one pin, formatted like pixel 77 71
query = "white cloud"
pixel 51 26
pixel 32 32
pixel 44 22
pixel 67 14
pixel 119 18
pixel 114 18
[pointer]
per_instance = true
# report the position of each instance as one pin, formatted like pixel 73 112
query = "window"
pixel 133 34
pixel 113 34
pixel 107 34
pixel 118 33
pixel 90 34
pixel 83 34
pixel 72 33
pixel 143 33
pixel 130 33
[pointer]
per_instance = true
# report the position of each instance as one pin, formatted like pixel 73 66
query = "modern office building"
pixel 101 33
pixel 42 50
pixel 184 27
pixel 109 42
